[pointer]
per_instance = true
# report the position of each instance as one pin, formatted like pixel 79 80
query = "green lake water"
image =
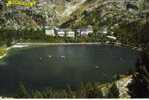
pixel 61 65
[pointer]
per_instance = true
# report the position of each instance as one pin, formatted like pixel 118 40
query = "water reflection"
pixel 58 66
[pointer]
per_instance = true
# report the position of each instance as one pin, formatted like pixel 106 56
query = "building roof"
pixel 60 30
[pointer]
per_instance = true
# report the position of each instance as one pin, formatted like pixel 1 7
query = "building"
pixel 60 32
pixel 70 34
pixel 85 31
pixel 50 32
pixel 67 32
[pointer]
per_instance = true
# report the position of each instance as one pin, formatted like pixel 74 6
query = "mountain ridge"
pixel 46 12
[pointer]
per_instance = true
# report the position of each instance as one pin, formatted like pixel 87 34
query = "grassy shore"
pixel 3 52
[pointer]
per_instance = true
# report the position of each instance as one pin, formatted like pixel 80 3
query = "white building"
pixel 85 31
pixel 61 32
pixel 50 32
pixel 70 34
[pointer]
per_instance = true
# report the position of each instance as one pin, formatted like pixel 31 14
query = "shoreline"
pixel 44 43
pixel 13 46
pixel 1 57
pixel 27 44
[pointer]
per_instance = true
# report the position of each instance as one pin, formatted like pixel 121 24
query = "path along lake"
pixel 57 66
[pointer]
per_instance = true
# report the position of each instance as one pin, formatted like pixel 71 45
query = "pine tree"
pixel 22 92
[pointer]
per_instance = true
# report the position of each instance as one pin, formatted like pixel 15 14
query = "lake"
pixel 58 66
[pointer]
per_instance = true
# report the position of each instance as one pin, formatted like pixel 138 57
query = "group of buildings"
pixel 66 32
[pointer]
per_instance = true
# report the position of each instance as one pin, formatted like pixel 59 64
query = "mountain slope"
pixel 46 12
pixel 104 9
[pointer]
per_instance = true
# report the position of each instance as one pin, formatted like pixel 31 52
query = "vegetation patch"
pixel 3 51
pixel 85 90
